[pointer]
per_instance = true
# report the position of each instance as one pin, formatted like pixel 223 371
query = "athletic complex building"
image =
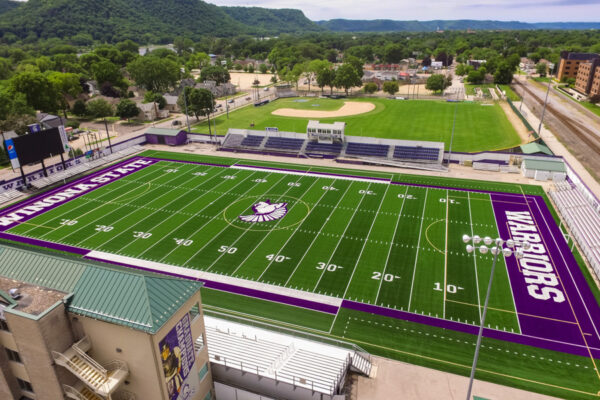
pixel 147 274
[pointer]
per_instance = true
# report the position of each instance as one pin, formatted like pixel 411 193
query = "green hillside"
pixel 155 21
pixel 7 5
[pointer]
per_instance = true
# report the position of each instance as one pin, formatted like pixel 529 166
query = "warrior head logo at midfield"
pixel 265 211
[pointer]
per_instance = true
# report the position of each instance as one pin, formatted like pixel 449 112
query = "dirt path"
pixel 516 122
pixel 349 108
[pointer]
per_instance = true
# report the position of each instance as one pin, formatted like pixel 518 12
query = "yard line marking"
pixel 446 257
pixel 214 216
pixel 127 215
pixel 506 265
pixel 317 235
pixel 475 258
pixel 412 283
pixel 224 228
pixel 391 244
pixel 273 230
pixel 294 233
pixel 365 243
pixel 340 239
pixel 83 198
pixel 165 236
pixel 250 226
pixel 95 209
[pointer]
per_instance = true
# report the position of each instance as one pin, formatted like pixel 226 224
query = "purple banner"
pixel 177 356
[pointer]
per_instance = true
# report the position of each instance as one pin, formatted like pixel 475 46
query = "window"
pixel 203 371
pixel 3 325
pixel 24 385
pixel 194 311
pixel 13 355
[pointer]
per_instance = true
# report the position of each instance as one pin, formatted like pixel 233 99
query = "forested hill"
pixel 145 21
pixel 286 20
pixel 387 25
pixel 6 5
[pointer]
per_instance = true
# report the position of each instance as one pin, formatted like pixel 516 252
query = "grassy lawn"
pixel 592 107
pixel 510 93
pixel 478 127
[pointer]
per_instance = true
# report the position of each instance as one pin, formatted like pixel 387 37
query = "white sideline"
pixel 320 175
pixel 202 275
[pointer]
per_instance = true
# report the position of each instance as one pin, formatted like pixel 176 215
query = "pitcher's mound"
pixel 349 108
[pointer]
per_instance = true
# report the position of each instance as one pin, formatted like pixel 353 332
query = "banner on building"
pixel 12 153
pixel 177 356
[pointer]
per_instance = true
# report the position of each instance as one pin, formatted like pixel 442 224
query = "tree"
pixel 392 53
pixel 445 58
pixel 100 108
pixel 503 74
pixel 356 63
pixel 200 102
pixel 251 68
pixel 437 83
pixel 326 77
pixel 263 68
pixel 595 99
pixel 313 68
pixel 391 87
pixel 477 77
pixel 105 71
pixel 126 109
pixel 347 77
pixel 152 97
pixel 79 108
pixel 67 85
pixel 41 94
pixel 370 87
pixel 153 73
pixel 214 73
pixel 541 69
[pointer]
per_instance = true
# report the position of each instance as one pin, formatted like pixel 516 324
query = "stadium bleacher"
pixel 83 167
pixel 9 195
pixel 329 148
pixel 233 140
pixel 284 143
pixel 582 219
pixel 252 141
pixel 366 149
pixel 416 153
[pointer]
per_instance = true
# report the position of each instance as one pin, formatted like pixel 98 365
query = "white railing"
pixel 61 359
pixel 73 393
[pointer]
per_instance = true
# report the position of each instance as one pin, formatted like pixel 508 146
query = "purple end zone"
pixel 39 204
pixel 552 298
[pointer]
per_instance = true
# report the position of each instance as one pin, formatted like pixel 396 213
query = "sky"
pixel 503 10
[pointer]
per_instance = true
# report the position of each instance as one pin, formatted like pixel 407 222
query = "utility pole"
pixel 544 109
pixel 108 135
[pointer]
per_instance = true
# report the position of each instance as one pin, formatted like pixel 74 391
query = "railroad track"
pixel 585 134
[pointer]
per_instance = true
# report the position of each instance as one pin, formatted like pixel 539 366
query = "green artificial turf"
pixel 478 127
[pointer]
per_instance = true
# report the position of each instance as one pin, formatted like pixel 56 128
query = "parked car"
pixel 176 123
pixel 231 101
pixel 266 89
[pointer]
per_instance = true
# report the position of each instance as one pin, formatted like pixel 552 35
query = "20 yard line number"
pixel 386 277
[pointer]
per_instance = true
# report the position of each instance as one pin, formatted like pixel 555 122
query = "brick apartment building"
pixel 588 78
pixel 570 62
pixel 84 331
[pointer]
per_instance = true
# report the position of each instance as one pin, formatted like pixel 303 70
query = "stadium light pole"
pixel 512 247
pixel 187 117
pixel 452 136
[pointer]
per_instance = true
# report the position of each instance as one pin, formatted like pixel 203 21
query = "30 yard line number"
pixel 328 267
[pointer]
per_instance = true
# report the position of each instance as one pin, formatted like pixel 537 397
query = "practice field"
pixel 352 255
pixel 478 127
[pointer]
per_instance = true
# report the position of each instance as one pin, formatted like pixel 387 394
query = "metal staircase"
pixel 102 379
pixel 361 363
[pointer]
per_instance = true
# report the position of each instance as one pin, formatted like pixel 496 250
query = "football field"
pixel 359 239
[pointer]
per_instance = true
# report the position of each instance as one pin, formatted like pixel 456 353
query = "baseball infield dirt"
pixel 349 108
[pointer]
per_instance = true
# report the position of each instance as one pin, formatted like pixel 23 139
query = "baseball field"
pixel 478 127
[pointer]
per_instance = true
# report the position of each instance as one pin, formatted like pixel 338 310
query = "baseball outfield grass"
pixel 478 127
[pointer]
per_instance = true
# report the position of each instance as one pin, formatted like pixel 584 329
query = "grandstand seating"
pixel 285 363
pixel 233 140
pixel 83 167
pixel 583 221
pixel 366 149
pixel 416 153
pixel 282 143
pixel 330 148
pixel 252 141
pixel 9 195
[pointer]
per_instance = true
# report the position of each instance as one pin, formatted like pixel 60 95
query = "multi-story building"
pixel 570 63
pixel 586 76
pixel 86 331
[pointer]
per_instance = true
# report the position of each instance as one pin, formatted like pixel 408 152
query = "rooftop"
pixel 141 301
pixel 545 165
pixel 33 299
pixel 533 148
pixel 163 131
